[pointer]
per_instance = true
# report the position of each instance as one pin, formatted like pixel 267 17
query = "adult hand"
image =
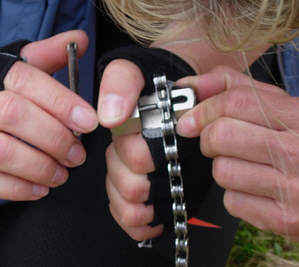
pixel 126 181
pixel 251 130
pixel 36 116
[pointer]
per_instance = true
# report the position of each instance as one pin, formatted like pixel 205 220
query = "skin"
pixel 254 154
pixel 254 149
pixel 42 112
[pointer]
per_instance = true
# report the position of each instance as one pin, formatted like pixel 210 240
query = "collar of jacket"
pixel 288 59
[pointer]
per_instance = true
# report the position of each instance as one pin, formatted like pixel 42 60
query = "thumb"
pixel 50 54
pixel 120 87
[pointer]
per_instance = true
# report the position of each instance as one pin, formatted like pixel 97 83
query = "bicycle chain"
pixel 165 105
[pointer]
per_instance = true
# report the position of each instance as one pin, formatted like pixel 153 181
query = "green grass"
pixel 255 248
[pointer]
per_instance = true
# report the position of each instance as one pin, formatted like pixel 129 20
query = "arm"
pixel 40 111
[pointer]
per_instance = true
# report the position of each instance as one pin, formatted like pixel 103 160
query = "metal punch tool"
pixel 73 70
pixel 146 116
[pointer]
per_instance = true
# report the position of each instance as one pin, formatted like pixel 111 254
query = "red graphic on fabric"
pixel 198 222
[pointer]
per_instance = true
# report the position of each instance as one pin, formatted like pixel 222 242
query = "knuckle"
pixel 61 141
pixel 128 191
pixel 130 217
pixel 221 171
pixel 6 148
pixel 229 203
pixel 236 100
pixel 56 100
pixel 17 77
pixel 61 104
pixel 283 188
pixel 12 108
pixel 46 171
pixel 132 191
pixel 290 149
pixel 137 161
pixel 219 132
pixel 18 191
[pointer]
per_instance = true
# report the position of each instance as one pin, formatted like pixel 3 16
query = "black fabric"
pixel 266 68
pixel 72 226
pixel 10 54
pixel 153 61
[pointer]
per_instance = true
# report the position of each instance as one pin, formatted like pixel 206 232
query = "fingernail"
pixel 111 108
pixel 84 118
pixel 59 177
pixel 186 125
pixel 39 190
pixel 76 154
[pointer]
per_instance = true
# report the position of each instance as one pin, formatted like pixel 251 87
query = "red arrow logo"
pixel 201 223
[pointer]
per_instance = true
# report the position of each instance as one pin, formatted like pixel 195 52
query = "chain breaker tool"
pixel 161 110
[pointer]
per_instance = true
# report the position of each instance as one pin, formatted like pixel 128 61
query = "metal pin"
pixel 73 67
pixel 148 107
pixel 73 71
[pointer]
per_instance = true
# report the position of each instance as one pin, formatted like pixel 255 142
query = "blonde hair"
pixel 230 25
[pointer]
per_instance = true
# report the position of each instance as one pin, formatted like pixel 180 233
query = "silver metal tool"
pixel 183 99
pixel 73 70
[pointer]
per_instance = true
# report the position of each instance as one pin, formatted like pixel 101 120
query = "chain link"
pixel 163 93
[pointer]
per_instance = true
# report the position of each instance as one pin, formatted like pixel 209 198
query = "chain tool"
pixel 161 110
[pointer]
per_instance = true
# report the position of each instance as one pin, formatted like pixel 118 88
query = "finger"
pixel 223 78
pixel 265 108
pixel 50 54
pixel 249 177
pixel 131 186
pixel 51 96
pixel 139 159
pixel 129 214
pixel 120 87
pixel 139 233
pixel 243 140
pixel 19 159
pixel 263 213
pixel 229 137
pixel 23 119
pixel 16 189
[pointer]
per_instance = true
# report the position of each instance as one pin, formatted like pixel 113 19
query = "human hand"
pixel 40 111
pixel 250 129
pixel 126 181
